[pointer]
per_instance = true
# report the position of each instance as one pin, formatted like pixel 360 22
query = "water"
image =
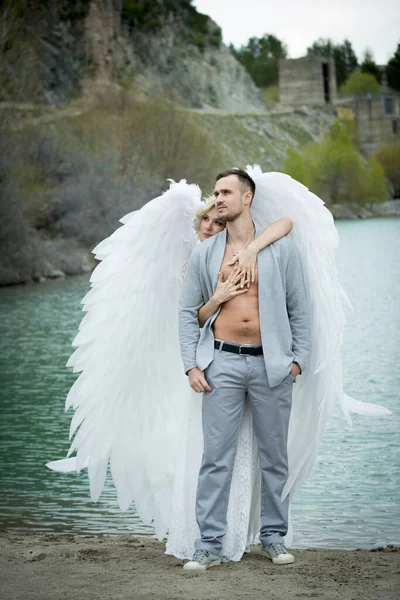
pixel 352 498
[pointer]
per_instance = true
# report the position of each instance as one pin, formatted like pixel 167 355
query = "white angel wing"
pixel 321 386
pixel 127 397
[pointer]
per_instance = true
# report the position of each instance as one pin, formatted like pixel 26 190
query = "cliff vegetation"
pixel 102 101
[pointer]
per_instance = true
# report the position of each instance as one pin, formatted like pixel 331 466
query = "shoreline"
pixel 354 211
pixel 341 212
pixel 50 567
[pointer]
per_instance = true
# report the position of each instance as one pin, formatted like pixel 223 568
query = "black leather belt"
pixel 238 349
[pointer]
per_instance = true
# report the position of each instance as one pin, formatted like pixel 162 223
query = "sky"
pixel 373 24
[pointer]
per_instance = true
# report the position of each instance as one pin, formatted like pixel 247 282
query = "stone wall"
pixel 301 81
pixel 375 127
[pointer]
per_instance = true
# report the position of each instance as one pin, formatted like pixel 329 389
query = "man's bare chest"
pixel 229 266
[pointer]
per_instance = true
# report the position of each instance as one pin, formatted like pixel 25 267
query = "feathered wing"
pixel 321 386
pixel 128 397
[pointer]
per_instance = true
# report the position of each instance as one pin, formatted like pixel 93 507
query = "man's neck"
pixel 240 230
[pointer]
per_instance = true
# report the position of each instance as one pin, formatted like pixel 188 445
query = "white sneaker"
pixel 278 554
pixel 202 560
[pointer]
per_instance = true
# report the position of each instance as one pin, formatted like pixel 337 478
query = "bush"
pixel 75 178
pixel 296 165
pixel 147 15
pixel 20 58
pixel 360 83
pixel 375 188
pixel 23 254
pixel 110 166
pixel 389 158
pixel 335 171
pixel 272 94
pixel 339 171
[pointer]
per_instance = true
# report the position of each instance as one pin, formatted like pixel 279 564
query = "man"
pixel 254 345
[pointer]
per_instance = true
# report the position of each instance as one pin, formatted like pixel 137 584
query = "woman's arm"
pixel 247 259
pixel 273 232
pixel 225 290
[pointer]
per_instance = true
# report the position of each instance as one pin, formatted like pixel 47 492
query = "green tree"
pixel 393 70
pixel 295 165
pixel 368 65
pixel 360 83
pixel 375 188
pixel 389 158
pixel 336 171
pixel 346 60
pixel 272 94
pixel 322 47
pixel 260 56
pixel 343 54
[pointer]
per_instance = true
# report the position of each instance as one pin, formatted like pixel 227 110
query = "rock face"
pixel 390 208
pixel 201 79
pixel 76 44
pixel 165 63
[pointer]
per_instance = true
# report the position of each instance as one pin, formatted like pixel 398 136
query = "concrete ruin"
pixel 309 81
pixel 377 119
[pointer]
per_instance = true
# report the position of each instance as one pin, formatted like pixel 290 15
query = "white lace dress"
pixel 243 517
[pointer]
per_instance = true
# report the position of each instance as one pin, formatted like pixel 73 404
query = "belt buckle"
pixel 240 351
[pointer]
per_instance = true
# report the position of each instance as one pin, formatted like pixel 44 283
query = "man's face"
pixel 230 198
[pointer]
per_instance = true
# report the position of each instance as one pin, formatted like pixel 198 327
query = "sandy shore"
pixel 51 567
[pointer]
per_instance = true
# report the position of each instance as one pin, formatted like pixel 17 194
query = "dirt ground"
pixel 51 567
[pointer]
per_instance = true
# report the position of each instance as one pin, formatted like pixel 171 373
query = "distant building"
pixel 309 81
pixel 377 119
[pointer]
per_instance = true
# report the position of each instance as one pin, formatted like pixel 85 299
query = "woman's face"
pixel 210 224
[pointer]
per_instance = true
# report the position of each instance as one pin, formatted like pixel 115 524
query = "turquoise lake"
pixel 351 500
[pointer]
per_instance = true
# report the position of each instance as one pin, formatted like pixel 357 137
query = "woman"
pixel 162 478
pixel 133 407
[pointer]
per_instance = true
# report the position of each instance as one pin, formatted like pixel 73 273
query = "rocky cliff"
pixel 53 51
pixel 101 101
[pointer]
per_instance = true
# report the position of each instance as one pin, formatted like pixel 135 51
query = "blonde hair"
pixel 208 204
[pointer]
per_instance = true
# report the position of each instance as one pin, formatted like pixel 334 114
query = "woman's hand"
pixel 247 258
pixel 246 262
pixel 226 290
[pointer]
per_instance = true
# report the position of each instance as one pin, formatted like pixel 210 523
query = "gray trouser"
pixel 232 377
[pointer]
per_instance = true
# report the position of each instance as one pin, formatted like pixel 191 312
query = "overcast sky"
pixel 373 24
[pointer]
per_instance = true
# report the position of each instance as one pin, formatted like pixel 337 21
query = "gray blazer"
pixel 284 321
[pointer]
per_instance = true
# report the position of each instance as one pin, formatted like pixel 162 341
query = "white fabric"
pixel 133 406
pixel 243 515
pixel 321 386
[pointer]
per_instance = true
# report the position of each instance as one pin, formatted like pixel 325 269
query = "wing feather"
pixel 128 394
pixel 320 388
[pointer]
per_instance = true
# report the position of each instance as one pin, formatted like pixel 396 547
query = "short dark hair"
pixel 243 177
